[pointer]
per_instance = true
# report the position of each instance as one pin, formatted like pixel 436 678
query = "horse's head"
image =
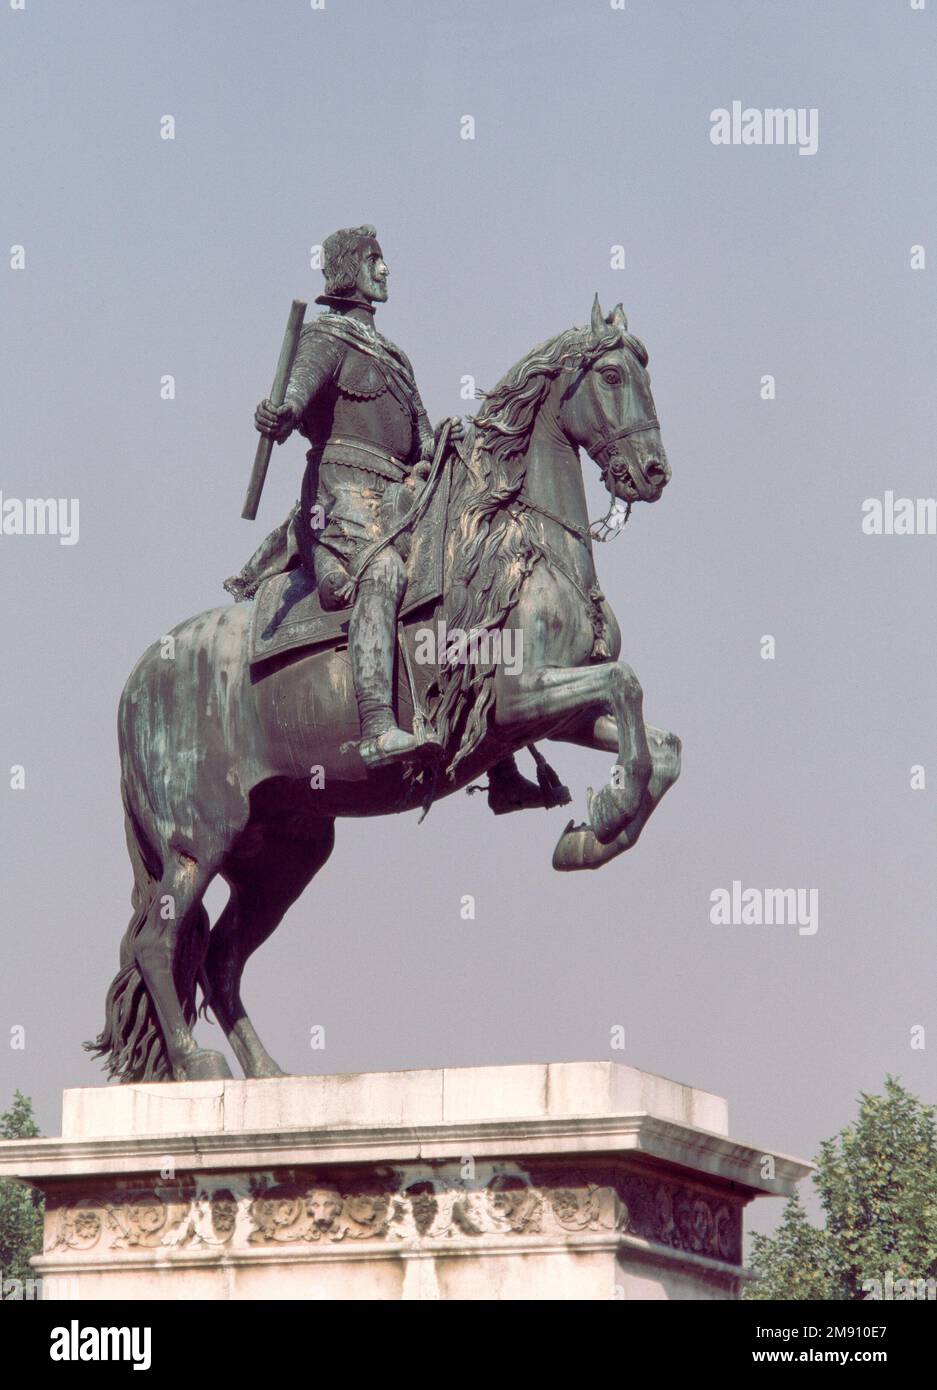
pixel 608 410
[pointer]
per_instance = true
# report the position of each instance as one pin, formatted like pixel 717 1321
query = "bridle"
pixel 608 441
pixel 604 449
pixel 605 454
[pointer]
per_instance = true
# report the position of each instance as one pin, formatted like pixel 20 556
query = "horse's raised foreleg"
pixel 168 950
pixel 578 846
pixel 265 880
pixel 533 703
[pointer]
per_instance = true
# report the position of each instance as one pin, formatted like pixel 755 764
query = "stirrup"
pixel 375 753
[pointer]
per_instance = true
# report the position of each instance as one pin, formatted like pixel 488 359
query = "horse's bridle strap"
pixel 609 439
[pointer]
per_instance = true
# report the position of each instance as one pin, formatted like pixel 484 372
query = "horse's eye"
pixel 612 378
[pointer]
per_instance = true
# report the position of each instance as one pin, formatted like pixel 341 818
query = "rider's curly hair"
pixel 341 257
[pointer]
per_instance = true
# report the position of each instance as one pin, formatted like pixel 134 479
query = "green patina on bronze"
pixel 240 768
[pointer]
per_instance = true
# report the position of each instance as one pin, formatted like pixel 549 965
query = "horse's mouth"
pixel 642 484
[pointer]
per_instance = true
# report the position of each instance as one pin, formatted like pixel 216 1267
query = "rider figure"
pixel 352 394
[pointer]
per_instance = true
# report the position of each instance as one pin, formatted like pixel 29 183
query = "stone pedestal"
pixel 575 1180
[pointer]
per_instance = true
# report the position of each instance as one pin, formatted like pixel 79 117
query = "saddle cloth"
pixel 287 612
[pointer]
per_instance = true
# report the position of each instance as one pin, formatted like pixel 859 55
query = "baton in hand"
pixel 294 327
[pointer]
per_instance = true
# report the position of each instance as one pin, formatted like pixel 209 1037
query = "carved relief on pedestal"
pixel 128 1218
pixel 317 1211
pixel 588 1208
pixel 74 1228
pixel 402 1206
pixel 121 1220
pixel 681 1217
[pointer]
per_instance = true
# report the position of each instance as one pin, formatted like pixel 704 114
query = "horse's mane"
pixel 489 554
pixel 490 551
pixel 505 421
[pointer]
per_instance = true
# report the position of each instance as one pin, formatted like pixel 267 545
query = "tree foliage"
pixel 877 1181
pixel 21 1208
pixel 795 1262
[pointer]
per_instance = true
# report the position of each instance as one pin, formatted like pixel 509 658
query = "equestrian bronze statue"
pixel 368 673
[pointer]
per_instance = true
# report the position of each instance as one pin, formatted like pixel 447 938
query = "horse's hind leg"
pixel 169 950
pixel 266 877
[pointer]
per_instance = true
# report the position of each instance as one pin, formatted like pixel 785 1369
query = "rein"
pixel 412 517
pixel 593 596
pixel 600 530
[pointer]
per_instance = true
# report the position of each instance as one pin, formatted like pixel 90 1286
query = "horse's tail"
pixel 132 1041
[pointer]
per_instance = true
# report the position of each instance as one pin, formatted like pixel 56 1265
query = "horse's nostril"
pixel 656 472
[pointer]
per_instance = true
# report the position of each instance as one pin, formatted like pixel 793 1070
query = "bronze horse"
pixel 228 771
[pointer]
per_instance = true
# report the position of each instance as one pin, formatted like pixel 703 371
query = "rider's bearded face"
pixel 371 283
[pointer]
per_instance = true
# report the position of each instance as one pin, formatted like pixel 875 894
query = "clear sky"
pixel 146 257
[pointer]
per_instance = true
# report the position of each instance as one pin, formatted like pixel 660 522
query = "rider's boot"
pixel 372 638
pixel 509 790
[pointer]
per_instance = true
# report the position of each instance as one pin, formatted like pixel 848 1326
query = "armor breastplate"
pixel 363 406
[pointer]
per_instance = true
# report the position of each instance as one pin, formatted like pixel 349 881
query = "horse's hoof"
pixel 577 848
pixel 206 1065
pixel 610 810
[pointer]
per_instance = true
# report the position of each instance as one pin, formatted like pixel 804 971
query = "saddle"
pixel 287 612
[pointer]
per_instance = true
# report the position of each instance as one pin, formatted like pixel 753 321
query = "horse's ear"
pixel 598 318
pixel 617 317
